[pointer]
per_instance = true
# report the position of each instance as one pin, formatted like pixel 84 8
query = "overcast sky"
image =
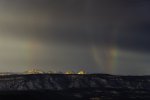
pixel 105 36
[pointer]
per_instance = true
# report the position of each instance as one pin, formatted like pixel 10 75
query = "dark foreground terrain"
pixel 74 87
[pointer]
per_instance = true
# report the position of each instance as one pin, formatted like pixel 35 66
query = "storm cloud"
pixel 65 31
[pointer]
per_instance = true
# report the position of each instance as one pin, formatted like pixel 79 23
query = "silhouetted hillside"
pixel 87 86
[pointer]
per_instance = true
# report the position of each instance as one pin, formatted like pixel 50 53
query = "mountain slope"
pixel 79 86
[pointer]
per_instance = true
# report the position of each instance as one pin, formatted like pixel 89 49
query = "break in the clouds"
pixel 96 35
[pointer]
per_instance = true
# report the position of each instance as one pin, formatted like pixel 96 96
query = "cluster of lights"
pixel 80 72
pixel 36 71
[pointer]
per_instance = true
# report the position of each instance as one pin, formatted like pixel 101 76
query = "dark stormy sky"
pixel 106 36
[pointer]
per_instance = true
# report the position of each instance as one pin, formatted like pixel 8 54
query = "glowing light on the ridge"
pixel 34 71
pixel 70 72
pixel 81 72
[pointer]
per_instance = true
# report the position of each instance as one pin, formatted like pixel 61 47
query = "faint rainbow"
pixel 31 47
pixel 112 60
pixel 111 63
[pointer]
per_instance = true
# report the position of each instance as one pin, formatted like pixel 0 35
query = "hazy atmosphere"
pixel 105 36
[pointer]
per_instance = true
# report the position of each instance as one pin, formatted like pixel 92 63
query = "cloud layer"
pixel 65 32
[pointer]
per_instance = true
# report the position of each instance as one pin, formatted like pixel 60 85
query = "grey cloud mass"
pixel 61 34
